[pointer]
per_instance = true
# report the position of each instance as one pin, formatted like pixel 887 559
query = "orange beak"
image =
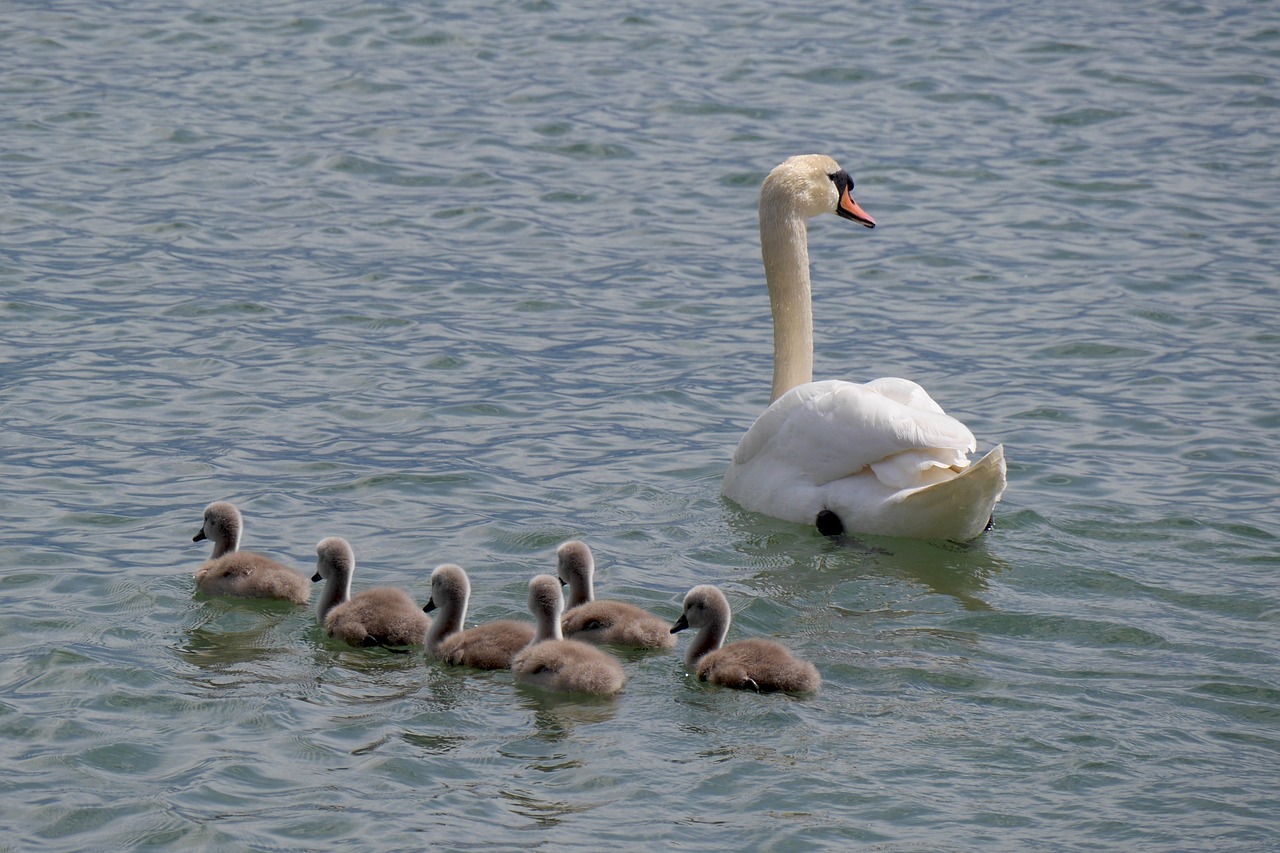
pixel 849 209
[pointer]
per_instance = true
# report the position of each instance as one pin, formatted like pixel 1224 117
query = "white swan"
pixel 883 457
pixel 231 571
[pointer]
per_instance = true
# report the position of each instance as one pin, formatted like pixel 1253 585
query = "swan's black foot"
pixel 829 524
pixel 991 523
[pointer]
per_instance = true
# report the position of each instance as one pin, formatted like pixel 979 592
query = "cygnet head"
pixel 704 606
pixel 576 567
pixel 707 611
pixel 808 185
pixel 222 526
pixel 450 592
pixel 546 603
pixel 334 559
pixel 335 564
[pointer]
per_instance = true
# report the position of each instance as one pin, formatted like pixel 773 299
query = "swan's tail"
pixel 957 509
pixel 961 507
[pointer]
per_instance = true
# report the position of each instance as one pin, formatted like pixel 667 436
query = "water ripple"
pixel 461 284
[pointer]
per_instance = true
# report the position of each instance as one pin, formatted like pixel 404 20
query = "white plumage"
pixel 882 456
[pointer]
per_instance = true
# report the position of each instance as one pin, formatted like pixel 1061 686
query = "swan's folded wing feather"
pixel 906 392
pixel 834 429
pixel 914 468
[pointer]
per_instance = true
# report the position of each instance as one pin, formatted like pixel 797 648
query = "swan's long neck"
pixel 337 589
pixel 450 619
pixel 784 245
pixel 548 625
pixel 546 603
pixel 222 547
pixel 709 638
pixel 581 587
pixel 226 538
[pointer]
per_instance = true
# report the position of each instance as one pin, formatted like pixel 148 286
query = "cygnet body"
pixel 487 646
pixel 760 665
pixel 377 617
pixel 603 622
pixel 556 663
pixel 230 571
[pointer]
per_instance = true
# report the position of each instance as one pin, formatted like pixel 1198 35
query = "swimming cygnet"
pixel 560 664
pixel 230 571
pixel 487 646
pixel 760 665
pixel 376 617
pixel 609 622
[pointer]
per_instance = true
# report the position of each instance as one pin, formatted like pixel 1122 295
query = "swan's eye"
pixel 842 180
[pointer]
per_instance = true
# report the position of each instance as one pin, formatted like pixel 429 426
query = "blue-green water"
pixel 458 282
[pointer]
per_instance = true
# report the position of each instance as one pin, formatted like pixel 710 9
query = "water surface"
pixel 458 283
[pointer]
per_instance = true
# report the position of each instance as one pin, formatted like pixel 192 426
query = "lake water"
pixel 459 282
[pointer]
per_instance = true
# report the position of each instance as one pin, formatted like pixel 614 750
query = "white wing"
pixel 883 456
pixel 833 429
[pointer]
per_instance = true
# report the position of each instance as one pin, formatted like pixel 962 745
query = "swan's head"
pixel 450 589
pixel 704 605
pixel 334 560
pixel 574 562
pixel 222 526
pixel 546 603
pixel 809 185
pixel 545 597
